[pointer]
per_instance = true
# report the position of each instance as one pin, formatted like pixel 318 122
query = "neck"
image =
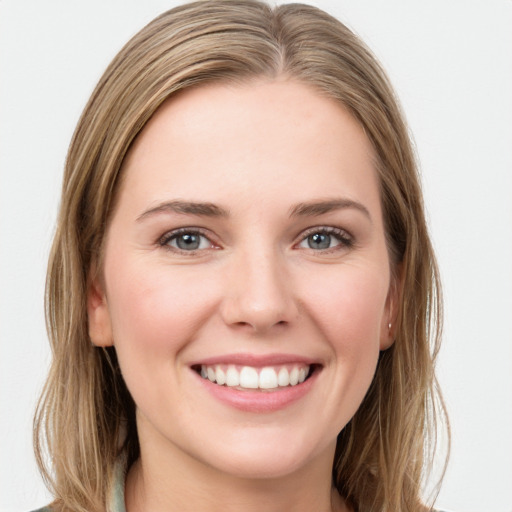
pixel 170 480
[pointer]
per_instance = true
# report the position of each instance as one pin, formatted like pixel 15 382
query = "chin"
pixel 261 469
pixel 268 458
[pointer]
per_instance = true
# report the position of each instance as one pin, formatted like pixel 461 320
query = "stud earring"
pixel 389 326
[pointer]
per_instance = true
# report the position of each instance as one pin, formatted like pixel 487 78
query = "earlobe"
pixel 389 319
pixel 387 337
pixel 98 315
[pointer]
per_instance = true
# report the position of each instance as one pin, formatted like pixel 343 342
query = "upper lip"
pixel 256 360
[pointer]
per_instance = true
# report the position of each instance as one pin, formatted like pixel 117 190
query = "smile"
pixel 249 377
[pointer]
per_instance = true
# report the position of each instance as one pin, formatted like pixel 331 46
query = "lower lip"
pixel 256 400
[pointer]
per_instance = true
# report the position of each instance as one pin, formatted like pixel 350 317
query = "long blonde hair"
pixel 85 419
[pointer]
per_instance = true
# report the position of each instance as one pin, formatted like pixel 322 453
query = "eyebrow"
pixel 185 207
pixel 315 208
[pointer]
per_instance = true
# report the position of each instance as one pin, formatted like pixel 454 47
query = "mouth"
pixel 262 383
pixel 257 378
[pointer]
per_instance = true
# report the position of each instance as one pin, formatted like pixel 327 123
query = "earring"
pixel 389 326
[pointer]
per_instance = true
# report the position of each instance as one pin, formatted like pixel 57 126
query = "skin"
pixel 254 286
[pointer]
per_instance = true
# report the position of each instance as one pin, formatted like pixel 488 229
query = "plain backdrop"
pixel 451 64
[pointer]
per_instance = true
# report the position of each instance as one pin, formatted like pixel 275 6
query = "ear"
pixel 98 315
pixel 393 301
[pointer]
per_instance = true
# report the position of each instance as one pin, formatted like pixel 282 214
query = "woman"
pixel 243 300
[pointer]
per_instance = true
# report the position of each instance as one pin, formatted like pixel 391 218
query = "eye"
pixel 325 239
pixel 186 240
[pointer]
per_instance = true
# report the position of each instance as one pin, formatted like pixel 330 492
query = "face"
pixel 246 282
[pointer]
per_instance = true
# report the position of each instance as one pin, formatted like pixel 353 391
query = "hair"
pixel 86 417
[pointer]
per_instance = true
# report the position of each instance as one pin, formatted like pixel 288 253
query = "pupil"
pixel 319 241
pixel 188 242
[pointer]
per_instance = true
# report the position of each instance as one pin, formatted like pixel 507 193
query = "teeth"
pixel 232 377
pixel 249 378
pixel 283 377
pixel 268 378
pixel 255 378
pixel 220 376
pixel 294 376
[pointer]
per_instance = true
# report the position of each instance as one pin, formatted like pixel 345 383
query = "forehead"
pixel 262 139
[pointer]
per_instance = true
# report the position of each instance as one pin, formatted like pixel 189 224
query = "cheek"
pixel 158 309
pixel 346 305
pixel 155 313
pixel 349 306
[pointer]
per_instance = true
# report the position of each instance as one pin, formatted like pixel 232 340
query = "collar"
pixel 116 501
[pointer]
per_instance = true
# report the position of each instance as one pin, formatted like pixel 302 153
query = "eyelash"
pixel 346 241
pixel 165 240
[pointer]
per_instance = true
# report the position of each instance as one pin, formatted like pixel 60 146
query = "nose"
pixel 259 293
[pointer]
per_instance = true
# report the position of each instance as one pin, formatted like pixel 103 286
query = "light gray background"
pixel 451 63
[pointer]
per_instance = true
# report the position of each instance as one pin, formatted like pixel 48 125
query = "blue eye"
pixel 319 241
pixel 186 240
pixel 322 239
